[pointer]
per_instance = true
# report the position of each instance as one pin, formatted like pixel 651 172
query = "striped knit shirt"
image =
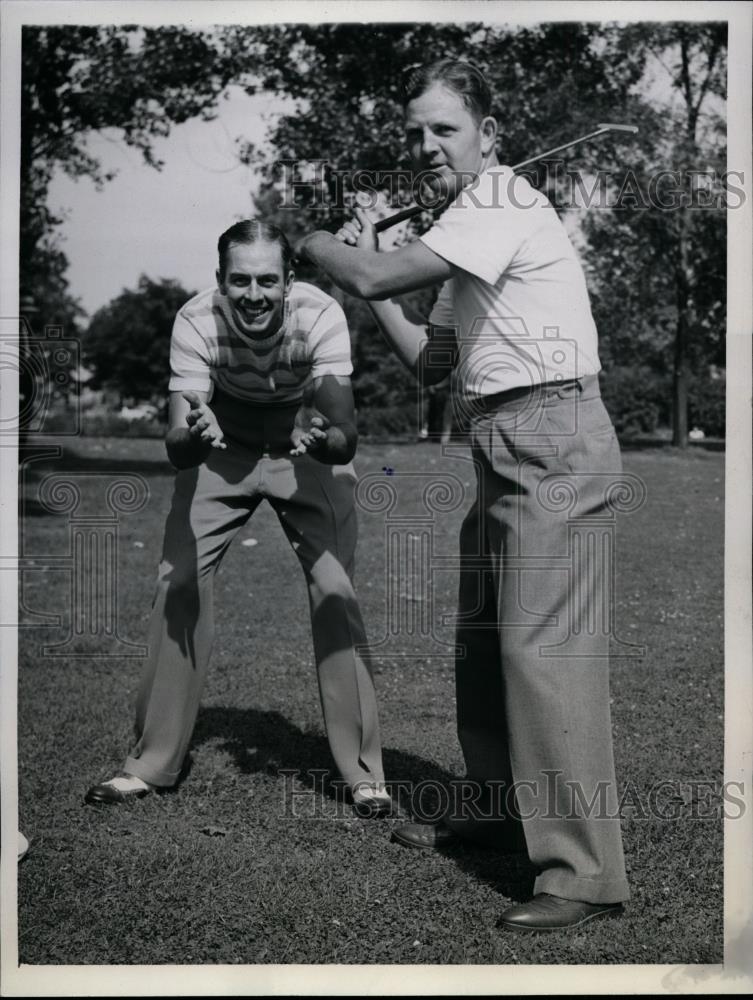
pixel 207 350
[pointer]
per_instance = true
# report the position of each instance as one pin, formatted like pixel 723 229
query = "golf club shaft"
pixel 558 149
pixel 414 210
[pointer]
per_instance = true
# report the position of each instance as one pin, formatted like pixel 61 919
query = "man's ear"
pixel 488 129
pixel 289 280
pixel 220 281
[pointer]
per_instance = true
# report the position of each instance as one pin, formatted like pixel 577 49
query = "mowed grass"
pixel 247 863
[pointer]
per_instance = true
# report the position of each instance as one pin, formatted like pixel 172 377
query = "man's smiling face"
pixel 256 285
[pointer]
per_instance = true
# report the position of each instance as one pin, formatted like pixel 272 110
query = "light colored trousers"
pixel 315 506
pixel 533 634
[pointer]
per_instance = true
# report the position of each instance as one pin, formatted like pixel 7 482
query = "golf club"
pixel 601 129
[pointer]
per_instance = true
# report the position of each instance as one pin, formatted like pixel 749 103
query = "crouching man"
pixel 272 355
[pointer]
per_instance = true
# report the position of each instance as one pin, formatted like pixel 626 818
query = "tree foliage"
pixel 549 83
pixel 656 274
pixel 124 81
pixel 658 261
pixel 127 343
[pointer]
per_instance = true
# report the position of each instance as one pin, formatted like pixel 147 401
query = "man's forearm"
pixel 340 446
pixel 408 335
pixel 344 266
pixel 406 338
pixel 367 273
pixel 351 270
pixel 184 450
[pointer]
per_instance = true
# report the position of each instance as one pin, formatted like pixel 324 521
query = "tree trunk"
pixel 681 374
pixel 680 390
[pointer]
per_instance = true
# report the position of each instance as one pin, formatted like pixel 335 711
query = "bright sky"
pixel 164 223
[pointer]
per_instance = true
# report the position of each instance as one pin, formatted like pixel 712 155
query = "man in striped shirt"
pixel 261 407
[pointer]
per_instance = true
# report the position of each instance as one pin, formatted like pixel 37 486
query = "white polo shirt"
pixel 519 296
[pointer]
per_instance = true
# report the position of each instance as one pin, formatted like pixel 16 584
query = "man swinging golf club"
pixel 514 322
pixel 274 356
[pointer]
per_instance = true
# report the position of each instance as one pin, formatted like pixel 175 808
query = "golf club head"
pixel 613 127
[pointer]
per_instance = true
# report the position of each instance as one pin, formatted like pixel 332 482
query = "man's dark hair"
pixel 254 231
pixel 465 79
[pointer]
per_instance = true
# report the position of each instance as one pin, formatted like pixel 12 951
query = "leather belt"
pixel 497 399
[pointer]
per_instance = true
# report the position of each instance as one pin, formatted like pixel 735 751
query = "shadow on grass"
pixel 267 743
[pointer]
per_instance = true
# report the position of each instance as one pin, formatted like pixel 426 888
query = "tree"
pixel 701 70
pixel 657 274
pixel 127 344
pixel 661 257
pixel 124 81
pixel 550 82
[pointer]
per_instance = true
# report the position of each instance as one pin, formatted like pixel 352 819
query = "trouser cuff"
pixel 164 779
pixel 587 890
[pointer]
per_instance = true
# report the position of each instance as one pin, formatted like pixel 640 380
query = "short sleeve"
pixel 330 343
pixel 487 224
pixel 189 358
pixel 443 313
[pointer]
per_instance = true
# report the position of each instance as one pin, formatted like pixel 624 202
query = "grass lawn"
pixel 246 864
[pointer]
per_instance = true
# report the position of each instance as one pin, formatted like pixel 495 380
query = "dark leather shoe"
pixel 427 836
pixel 108 795
pixel 553 913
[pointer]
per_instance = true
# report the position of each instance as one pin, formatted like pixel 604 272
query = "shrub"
pixel 387 422
pixel 386 395
pixel 102 423
pixel 638 399
pixel 706 404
